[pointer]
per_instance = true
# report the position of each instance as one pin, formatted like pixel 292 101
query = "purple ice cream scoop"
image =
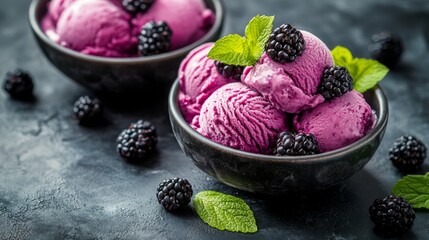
pixel 292 87
pixel 338 122
pixel 198 79
pixel 189 20
pixel 239 117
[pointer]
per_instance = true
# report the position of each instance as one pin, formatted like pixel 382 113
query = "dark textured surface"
pixel 62 181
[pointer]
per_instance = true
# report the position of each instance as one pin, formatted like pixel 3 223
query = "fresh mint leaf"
pixel 232 49
pixel 369 73
pixel 257 33
pixel 415 189
pixel 366 73
pixel 236 50
pixel 225 212
pixel 342 56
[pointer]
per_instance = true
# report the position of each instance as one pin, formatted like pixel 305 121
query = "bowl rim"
pixel 330 156
pixel 37 29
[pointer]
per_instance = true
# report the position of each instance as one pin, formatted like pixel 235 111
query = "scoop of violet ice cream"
pixel 49 21
pixel 95 27
pixel 237 116
pixel 338 122
pixel 198 79
pixel 292 87
pixel 189 20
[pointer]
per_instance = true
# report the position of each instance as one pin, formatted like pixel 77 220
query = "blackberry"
pixel 336 81
pixel 174 193
pixel 229 71
pixel 387 48
pixel 154 38
pixel 392 215
pixel 137 141
pixel 296 144
pixel 18 84
pixel 136 6
pixel 88 110
pixel 408 153
pixel 285 44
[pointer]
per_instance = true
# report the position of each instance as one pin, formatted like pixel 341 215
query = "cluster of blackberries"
pixel 392 215
pixel 154 37
pixel 387 48
pixel 19 84
pixel 137 6
pixel 137 141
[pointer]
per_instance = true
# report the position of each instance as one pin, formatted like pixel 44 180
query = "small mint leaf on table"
pixel 244 51
pixel 414 189
pixel 225 212
pixel 366 73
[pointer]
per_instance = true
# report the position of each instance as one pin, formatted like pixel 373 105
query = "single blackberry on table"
pixel 296 144
pixel 386 48
pixel 154 38
pixel 174 193
pixel 229 71
pixel 18 84
pixel 137 6
pixel 137 141
pixel 285 44
pixel 88 110
pixel 408 153
pixel 336 81
pixel 392 215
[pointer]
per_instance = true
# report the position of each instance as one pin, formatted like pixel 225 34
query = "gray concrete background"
pixel 62 181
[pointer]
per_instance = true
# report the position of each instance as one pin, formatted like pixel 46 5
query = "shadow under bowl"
pixel 118 75
pixel 279 175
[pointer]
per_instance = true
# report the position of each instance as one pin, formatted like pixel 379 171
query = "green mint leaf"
pixel 415 189
pixel 342 56
pixel 366 73
pixel 236 50
pixel 225 212
pixel 257 33
pixel 232 49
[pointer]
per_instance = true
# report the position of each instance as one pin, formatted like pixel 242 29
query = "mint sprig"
pixel 244 51
pixel 366 73
pixel 225 212
pixel 415 189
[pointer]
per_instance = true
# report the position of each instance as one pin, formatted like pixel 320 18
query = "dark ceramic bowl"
pixel 117 75
pixel 278 175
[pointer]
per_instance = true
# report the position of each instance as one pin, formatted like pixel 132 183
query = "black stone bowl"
pixel 278 175
pixel 118 75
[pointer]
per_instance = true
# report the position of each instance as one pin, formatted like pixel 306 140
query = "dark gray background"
pixel 62 181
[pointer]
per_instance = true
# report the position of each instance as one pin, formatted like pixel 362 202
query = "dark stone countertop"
pixel 62 181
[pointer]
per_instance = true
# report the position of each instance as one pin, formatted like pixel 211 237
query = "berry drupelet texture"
pixel 229 71
pixel 137 6
pixel 296 144
pixel 336 81
pixel 88 110
pixel 18 84
pixel 174 193
pixel 137 141
pixel 386 48
pixel 285 44
pixel 408 153
pixel 392 215
pixel 154 38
